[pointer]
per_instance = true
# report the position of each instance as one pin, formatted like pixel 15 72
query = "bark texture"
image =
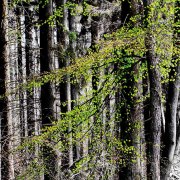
pixel 47 98
pixel 155 108
pixel 7 168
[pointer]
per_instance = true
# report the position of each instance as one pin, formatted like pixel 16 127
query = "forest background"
pixel 89 89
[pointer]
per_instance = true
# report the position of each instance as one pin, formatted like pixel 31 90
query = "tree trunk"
pixel 20 71
pixel 171 121
pixel 29 68
pixel 137 134
pixel 65 86
pixel 47 98
pixel 7 169
pixel 171 136
pixel 155 106
pixel 138 137
pixel 155 92
pixel 147 118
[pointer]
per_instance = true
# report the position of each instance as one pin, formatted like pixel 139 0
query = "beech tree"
pixel 7 169
pixel 153 62
pixel 47 97
pixel 171 115
pixel 96 91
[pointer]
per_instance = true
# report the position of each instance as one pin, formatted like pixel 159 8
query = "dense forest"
pixel 89 89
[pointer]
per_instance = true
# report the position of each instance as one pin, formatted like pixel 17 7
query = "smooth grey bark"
pixel 18 11
pixel 63 41
pixel 17 104
pixel 7 169
pixel 170 139
pixel 32 124
pixel 138 135
pixel 155 106
pixel 155 94
pixel 147 117
pixel 29 68
pixel 171 136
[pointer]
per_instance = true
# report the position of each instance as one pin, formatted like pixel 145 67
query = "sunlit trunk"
pixel 7 163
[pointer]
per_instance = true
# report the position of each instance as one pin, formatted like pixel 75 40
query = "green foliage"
pixel 124 49
pixel 72 36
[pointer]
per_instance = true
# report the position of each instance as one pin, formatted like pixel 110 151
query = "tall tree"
pixel 20 69
pixel 153 62
pixel 7 168
pixel 171 118
pixel 29 67
pixel 100 130
pixel 65 85
pixel 47 98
